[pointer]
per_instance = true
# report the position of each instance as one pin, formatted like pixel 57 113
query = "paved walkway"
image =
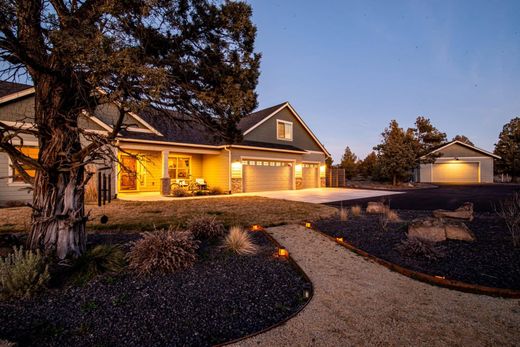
pixel 312 195
pixel 358 302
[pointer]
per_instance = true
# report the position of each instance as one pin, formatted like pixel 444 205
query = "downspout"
pixel 229 168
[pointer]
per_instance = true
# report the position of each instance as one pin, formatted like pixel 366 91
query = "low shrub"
pixel 239 241
pixel 180 192
pixel 205 227
pixel 392 216
pixel 216 191
pixel 382 222
pixel 101 259
pixel 163 251
pixel 414 248
pixel 343 214
pixel 509 211
pixel 356 210
pixel 22 274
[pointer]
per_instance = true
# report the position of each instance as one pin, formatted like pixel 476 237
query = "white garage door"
pixel 310 175
pixel 455 172
pixel 262 175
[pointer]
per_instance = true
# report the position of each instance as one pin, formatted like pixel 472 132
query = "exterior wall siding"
pixel 485 164
pixel 457 150
pixel 266 132
pixel 216 170
pixel 11 192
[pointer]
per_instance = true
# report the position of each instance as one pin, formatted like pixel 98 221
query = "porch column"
pixel 165 177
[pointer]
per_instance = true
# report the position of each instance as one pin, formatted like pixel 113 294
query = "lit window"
pixel 30 152
pixel 284 130
pixel 179 167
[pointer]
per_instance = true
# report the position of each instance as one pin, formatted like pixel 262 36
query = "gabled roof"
pixel 451 143
pixel 252 121
pixel 11 90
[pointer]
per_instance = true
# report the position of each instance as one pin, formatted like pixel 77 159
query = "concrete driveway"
pixel 321 195
pixel 312 195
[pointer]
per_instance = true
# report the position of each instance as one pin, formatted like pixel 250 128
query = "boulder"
pixel 427 229
pixel 437 230
pixel 376 208
pixel 464 212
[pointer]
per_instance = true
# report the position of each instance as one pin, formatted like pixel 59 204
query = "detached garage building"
pixel 459 163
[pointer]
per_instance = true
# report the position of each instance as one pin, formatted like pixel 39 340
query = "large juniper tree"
pixel 195 57
pixel 508 148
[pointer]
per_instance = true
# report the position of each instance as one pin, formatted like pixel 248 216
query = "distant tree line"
pixel 401 151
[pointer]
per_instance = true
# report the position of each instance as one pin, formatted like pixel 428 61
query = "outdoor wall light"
pixel 339 239
pixel 282 252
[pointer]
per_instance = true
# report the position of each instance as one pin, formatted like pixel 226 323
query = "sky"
pixel 350 67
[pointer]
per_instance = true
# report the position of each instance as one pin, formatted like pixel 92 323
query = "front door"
pixel 128 173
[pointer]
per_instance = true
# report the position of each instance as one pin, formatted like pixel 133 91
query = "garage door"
pixel 266 175
pixel 310 175
pixel 459 172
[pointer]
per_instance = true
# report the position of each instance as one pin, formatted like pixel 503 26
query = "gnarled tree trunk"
pixel 58 219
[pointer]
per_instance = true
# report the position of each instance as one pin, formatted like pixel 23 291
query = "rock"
pixel 376 208
pixel 437 230
pixel 428 229
pixel 5 343
pixel 459 231
pixel 464 212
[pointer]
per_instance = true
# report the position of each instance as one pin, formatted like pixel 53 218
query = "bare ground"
pixel 357 302
pixel 137 216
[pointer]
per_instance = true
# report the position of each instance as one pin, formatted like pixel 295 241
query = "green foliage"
pixel 329 161
pixel 368 167
pixel 463 139
pixel 22 273
pixel 180 192
pixel 239 241
pixel 205 227
pixel 508 148
pixel 426 137
pixel 163 251
pixel 349 163
pixel 101 259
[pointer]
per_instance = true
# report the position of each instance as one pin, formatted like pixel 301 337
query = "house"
pixel 278 151
pixel 458 163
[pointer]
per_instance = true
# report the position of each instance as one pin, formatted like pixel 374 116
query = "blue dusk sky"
pixel 349 67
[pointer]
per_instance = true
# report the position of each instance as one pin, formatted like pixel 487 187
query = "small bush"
pixel 355 210
pixel 180 192
pixel 216 191
pixel 343 214
pixel 414 248
pixel 163 251
pixel 101 259
pixel 392 216
pixel 509 211
pixel 239 241
pixel 205 227
pixel 382 221
pixel 22 274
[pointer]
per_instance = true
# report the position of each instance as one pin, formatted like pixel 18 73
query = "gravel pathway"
pixel 357 302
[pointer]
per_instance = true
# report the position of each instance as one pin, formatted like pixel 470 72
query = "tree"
pixel 508 148
pixel 397 153
pixel 329 161
pixel 193 57
pixel 463 139
pixel 367 167
pixel 349 163
pixel 426 138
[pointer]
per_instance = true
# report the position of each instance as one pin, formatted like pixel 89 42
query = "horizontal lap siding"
pixel 215 170
pixel 9 192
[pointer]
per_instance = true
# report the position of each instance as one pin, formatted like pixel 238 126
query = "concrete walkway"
pixel 312 195
pixel 357 302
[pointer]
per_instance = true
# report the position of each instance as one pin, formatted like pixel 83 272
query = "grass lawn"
pixel 135 216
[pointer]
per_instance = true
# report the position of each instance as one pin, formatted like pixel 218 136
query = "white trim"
pixel 466 145
pixel 96 120
pixel 10 173
pixel 143 122
pixel 124 139
pixel 17 95
pixel 286 104
pixel 284 138
pixel 139 130
pixel 247 157
pixel 20 124
pixel 266 149
pixel 315 152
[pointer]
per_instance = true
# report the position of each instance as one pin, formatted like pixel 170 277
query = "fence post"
pixel 99 189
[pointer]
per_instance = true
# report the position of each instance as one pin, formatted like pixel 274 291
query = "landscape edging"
pixel 298 269
pixel 433 280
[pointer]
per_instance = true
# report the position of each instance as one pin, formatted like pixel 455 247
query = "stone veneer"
pixel 236 185
pixel 166 188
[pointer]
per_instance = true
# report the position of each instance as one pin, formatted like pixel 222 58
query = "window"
pixel 284 130
pixel 16 177
pixel 179 167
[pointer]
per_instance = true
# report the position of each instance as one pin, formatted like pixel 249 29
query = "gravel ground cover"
pixel 490 261
pixel 223 297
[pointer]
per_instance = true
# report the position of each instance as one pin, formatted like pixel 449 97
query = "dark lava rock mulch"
pixel 223 297
pixel 490 261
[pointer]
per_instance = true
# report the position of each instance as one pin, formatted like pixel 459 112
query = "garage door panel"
pixel 266 177
pixel 310 177
pixel 455 172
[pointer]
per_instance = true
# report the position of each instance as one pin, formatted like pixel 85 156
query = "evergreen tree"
pixel 367 167
pixel 508 148
pixel 397 154
pixel 194 57
pixel 349 163
pixel 329 161
pixel 426 138
pixel 463 139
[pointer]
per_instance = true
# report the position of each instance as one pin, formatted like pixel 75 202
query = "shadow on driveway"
pixel 484 197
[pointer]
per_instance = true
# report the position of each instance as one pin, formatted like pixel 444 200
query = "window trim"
pixel 278 121
pixel 10 174
pixel 177 157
